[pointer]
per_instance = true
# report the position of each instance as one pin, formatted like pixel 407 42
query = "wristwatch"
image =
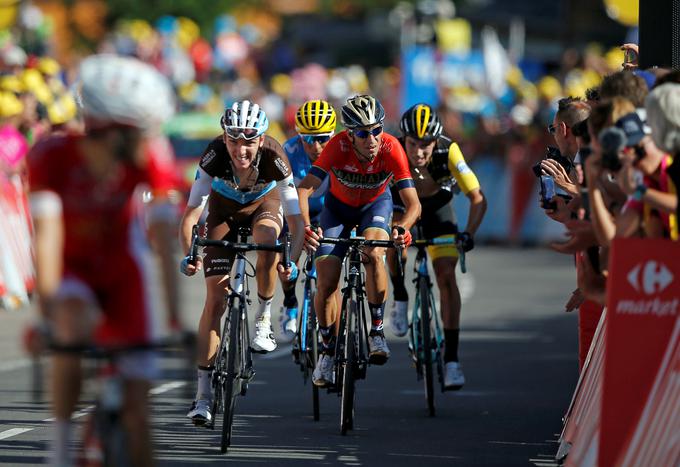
pixel 639 192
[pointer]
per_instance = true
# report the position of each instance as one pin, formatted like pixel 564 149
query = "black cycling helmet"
pixel 360 111
pixel 421 122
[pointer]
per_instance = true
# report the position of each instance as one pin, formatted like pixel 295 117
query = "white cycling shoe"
pixel 378 352
pixel 324 372
pixel 200 412
pixel 264 336
pixel 399 318
pixel 288 324
pixel 454 378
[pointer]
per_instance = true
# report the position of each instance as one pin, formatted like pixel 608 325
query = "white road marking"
pixel 163 388
pixel 13 432
pixel 15 365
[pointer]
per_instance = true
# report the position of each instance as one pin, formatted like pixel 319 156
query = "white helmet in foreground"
pixel 124 90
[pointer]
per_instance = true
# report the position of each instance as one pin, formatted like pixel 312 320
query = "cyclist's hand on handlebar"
pixel 401 236
pixel 288 274
pixel 187 268
pixel 466 241
pixel 312 238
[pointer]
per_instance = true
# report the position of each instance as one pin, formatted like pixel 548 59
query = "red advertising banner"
pixel 643 305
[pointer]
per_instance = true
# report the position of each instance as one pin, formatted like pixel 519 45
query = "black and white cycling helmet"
pixel 124 90
pixel 361 111
pixel 245 120
pixel 421 122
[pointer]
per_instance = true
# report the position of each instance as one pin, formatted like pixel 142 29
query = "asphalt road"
pixel 518 351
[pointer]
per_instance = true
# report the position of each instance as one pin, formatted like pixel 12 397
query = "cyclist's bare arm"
pixel 477 210
pixel 46 210
pixel 198 197
pixel 409 196
pixel 305 189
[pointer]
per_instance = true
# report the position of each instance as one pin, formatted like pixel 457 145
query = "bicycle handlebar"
pixel 421 243
pixel 197 241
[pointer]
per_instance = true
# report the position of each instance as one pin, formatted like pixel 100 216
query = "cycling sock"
pixel 377 313
pixel 290 302
pixel 264 308
pixel 62 441
pixel 327 339
pixel 204 386
pixel 399 289
pixel 451 345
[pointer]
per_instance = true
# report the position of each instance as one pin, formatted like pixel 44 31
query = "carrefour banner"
pixel 419 76
pixel 643 308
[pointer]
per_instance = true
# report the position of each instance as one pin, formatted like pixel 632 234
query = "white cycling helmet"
pixel 245 120
pixel 124 90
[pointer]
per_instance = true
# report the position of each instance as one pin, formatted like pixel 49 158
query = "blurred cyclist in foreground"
pixel 91 280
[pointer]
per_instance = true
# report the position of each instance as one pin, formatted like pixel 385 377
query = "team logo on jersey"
pixel 463 168
pixel 364 181
pixel 208 157
pixel 281 165
pixel 350 168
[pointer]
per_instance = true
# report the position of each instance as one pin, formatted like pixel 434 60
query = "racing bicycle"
pixel 426 337
pixel 233 366
pixel 351 359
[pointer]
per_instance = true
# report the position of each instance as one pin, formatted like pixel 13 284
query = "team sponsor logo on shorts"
pixel 365 181
pixel 281 165
pixel 208 157
pixel 463 168
pixel 378 219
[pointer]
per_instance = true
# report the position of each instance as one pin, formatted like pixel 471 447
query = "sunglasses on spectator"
pixel 552 129
pixel 311 139
pixel 364 133
pixel 245 133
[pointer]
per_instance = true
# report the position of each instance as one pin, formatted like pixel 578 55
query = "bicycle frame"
pixel 233 367
pixel 421 271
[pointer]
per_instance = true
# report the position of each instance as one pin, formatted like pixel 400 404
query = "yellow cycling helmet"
pixel 315 117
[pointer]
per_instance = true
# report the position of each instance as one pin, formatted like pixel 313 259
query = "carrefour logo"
pixel 650 277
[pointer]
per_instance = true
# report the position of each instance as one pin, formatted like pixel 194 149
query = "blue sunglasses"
pixel 364 133
pixel 311 139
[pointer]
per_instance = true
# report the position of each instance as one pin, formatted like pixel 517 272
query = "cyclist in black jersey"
pixel 438 170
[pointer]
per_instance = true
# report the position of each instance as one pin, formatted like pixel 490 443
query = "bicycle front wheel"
pixel 230 380
pixel 349 366
pixel 425 331
pixel 313 352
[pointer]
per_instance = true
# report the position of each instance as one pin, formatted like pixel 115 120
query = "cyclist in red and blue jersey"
pixel 360 163
pixel 315 124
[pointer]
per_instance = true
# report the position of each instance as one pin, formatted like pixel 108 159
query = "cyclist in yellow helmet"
pixel 439 170
pixel 315 124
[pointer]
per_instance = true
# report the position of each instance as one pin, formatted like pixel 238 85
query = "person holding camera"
pixel 568 124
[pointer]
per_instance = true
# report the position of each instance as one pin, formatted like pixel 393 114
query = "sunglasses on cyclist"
pixel 364 133
pixel 245 133
pixel 311 139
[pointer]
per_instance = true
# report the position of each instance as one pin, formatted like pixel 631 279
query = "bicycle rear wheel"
pixel 425 320
pixel 349 367
pixel 230 379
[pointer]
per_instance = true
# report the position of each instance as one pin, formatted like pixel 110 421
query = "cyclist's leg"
pixel 267 222
pixel 137 423
pixel 72 322
pixel 216 266
pixel 128 319
pixel 375 224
